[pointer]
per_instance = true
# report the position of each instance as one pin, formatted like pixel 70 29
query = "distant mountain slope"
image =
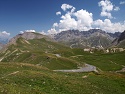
pixel 120 41
pixel 28 36
pixel 121 37
pixel 114 35
pixel 91 38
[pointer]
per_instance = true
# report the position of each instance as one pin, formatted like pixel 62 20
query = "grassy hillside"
pixel 27 67
pixel 39 52
pixel 22 78
pixel 56 56
pixel 106 62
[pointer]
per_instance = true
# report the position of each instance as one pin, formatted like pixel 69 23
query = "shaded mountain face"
pixel 91 38
pixel 121 37
pixel 120 41
pixel 115 35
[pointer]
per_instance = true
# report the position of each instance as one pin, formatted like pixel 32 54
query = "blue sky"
pixel 53 16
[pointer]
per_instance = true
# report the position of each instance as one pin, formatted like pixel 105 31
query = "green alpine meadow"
pixel 62 46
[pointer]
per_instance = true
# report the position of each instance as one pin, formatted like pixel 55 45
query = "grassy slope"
pixel 42 52
pixel 106 62
pixel 27 76
pixel 39 52
pixel 22 78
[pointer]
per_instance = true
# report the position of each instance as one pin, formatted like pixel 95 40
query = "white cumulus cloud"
pixel 43 32
pixel 122 2
pixel 58 13
pixel 67 22
pixel 107 7
pixel 108 26
pixel 27 31
pixel 55 25
pixel 116 9
pixel 52 31
pixel 66 7
pixel 30 31
pixel 82 19
pixel 4 35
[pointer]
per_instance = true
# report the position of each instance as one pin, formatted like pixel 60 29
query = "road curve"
pixel 87 68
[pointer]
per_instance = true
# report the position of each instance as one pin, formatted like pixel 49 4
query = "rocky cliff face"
pixel 91 38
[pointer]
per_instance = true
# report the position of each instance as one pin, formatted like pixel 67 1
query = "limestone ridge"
pixel 90 38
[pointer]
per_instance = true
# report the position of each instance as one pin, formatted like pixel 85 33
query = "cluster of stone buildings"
pixel 114 50
pixel 109 50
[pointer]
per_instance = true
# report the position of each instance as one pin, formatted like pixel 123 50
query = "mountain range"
pixel 93 38
pixel 37 48
pixel 96 38
pixel 29 44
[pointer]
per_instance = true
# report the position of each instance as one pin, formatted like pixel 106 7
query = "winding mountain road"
pixel 87 68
